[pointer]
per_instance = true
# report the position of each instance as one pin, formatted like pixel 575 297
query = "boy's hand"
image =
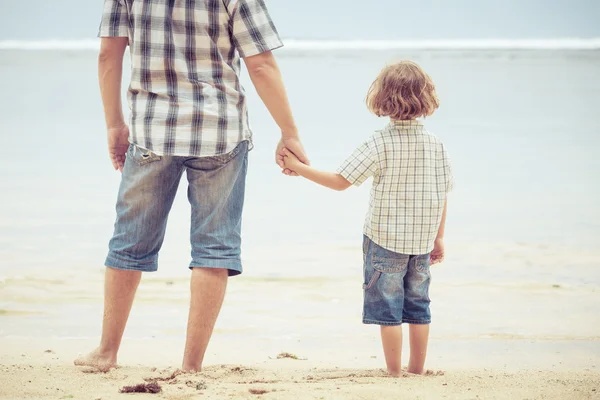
pixel 290 160
pixel 437 254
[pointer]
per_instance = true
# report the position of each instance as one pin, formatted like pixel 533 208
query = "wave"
pixel 329 45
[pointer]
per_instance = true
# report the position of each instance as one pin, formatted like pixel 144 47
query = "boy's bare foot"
pixel 426 372
pixel 96 359
pixel 416 371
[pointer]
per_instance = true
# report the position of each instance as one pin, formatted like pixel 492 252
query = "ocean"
pixel 519 119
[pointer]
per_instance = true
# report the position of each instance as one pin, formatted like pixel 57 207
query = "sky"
pixel 345 19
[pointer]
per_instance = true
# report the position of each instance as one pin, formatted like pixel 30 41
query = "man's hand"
pixel 437 254
pixel 118 143
pixel 290 161
pixel 293 145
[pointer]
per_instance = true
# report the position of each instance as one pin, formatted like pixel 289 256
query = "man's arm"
pixel 110 71
pixel 328 179
pixel 267 80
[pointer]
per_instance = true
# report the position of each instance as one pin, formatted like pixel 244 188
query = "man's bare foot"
pixel 189 369
pixel 100 361
pixel 395 373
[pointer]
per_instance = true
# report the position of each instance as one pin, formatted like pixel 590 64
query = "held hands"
pixel 437 254
pixel 118 143
pixel 290 161
pixel 294 146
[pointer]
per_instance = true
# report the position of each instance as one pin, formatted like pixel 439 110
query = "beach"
pixel 514 305
pixel 46 373
pixel 483 345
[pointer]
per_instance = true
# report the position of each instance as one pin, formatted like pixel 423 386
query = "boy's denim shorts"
pixel 148 186
pixel 396 286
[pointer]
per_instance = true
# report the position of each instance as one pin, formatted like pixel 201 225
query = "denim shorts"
pixel 396 286
pixel 148 186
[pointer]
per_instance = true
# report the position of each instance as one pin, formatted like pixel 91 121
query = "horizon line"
pixel 329 44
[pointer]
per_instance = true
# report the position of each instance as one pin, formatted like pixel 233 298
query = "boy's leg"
pixel 419 337
pixel 416 311
pixel 216 194
pixel 148 187
pixel 391 339
pixel 383 286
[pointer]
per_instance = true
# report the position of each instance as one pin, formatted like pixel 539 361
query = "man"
pixel 188 113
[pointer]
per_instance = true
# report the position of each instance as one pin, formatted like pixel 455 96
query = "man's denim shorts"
pixel 396 286
pixel 148 186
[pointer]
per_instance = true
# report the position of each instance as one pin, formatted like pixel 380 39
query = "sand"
pixel 49 374
pixel 283 379
pixel 499 336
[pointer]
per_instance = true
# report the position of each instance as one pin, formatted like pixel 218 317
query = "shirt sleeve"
pixel 115 21
pixel 361 165
pixel 252 30
pixel 445 169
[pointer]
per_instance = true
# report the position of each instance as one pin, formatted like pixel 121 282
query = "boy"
pixel 404 227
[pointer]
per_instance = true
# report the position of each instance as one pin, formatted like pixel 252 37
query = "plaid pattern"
pixel 185 95
pixel 411 178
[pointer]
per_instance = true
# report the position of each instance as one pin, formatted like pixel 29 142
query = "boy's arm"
pixel 442 227
pixel 437 254
pixel 328 179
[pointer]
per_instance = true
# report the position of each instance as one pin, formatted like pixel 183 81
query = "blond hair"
pixel 402 91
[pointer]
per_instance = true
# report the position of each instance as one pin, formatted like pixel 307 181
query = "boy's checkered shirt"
pixel 411 178
pixel 185 94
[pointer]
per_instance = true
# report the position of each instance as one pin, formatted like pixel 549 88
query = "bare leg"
pixel 419 336
pixel 208 291
pixel 119 290
pixel 391 338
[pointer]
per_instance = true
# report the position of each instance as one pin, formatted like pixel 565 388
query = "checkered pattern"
pixel 185 94
pixel 411 178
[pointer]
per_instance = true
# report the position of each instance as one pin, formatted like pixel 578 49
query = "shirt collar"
pixel 406 124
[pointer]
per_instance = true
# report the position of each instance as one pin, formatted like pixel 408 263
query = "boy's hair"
pixel 402 91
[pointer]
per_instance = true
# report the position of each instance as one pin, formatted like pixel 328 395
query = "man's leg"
pixel 119 291
pixel 208 291
pixel 148 187
pixel 216 194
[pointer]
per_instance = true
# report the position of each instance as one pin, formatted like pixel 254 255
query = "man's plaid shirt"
pixel 411 178
pixel 185 94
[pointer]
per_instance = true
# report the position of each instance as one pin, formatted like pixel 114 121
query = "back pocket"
pixel 142 156
pixel 225 158
pixel 387 261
